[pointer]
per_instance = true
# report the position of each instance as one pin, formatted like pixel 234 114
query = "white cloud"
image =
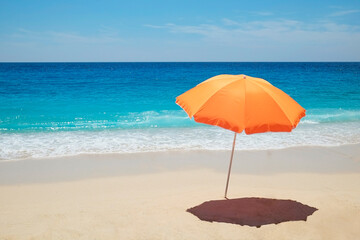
pixel 263 13
pixel 343 13
pixel 229 28
pixel 104 35
pixel 226 40
pixel 153 26
pixel 276 40
pixel 232 27
pixel 229 22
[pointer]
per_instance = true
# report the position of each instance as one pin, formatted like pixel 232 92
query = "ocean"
pixel 65 109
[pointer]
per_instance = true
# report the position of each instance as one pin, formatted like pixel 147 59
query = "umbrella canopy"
pixel 240 102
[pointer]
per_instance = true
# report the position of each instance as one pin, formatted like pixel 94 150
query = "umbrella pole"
pixel 228 177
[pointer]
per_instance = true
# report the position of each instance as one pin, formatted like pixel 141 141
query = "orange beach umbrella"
pixel 240 102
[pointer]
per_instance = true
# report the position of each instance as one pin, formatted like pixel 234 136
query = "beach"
pixel 101 151
pixel 146 195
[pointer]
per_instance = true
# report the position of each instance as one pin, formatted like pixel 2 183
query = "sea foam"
pixel 68 143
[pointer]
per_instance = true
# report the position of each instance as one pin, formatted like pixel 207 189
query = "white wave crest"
pixel 54 144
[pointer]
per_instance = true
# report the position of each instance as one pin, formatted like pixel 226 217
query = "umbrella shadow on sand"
pixel 253 212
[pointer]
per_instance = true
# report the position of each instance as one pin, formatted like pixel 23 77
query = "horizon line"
pixel 329 61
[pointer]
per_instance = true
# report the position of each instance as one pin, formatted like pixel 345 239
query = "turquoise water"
pixel 56 109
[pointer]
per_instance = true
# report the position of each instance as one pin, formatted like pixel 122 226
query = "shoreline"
pixel 72 143
pixel 106 154
pixel 272 161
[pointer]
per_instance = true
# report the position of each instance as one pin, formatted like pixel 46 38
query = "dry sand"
pixel 145 196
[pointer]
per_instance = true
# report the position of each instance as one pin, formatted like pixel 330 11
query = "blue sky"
pixel 140 30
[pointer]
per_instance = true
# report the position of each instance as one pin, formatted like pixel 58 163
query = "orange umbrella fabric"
pixel 240 102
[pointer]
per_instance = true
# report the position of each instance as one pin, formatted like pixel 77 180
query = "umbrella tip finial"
pixel 244 77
